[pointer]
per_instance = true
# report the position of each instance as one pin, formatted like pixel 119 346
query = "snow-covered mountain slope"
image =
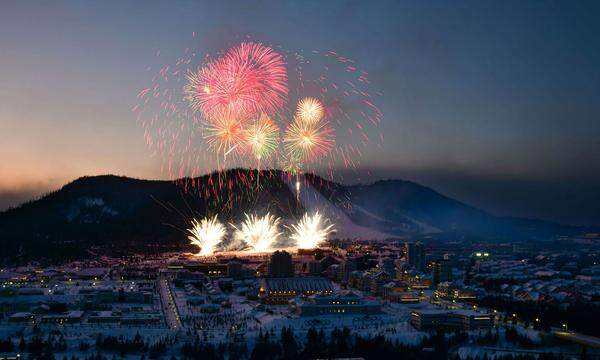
pixel 312 200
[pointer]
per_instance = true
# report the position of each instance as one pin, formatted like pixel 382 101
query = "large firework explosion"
pixel 249 79
pixel 257 233
pixel 308 140
pixel 207 234
pixel 311 231
pixel 255 106
pixel 206 112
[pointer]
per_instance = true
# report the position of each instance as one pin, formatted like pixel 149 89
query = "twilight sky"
pixel 496 103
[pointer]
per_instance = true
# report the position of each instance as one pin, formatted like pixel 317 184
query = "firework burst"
pixel 308 141
pixel 262 137
pixel 309 110
pixel 291 164
pixel 249 79
pixel 310 231
pixel 224 134
pixel 331 122
pixel 206 234
pixel 258 233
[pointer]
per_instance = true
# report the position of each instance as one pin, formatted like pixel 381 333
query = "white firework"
pixel 258 233
pixel 311 231
pixel 207 234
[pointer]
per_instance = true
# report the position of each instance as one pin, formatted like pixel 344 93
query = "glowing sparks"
pixel 291 165
pixel 310 231
pixel 224 134
pixel 307 141
pixel 309 135
pixel 206 234
pixel 258 233
pixel 297 190
pixel 309 110
pixel 262 137
pixel 248 79
pixel 226 96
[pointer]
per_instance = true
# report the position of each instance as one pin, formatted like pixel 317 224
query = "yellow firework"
pixel 262 137
pixel 258 233
pixel 309 110
pixel 311 231
pixel 224 134
pixel 306 141
pixel 206 234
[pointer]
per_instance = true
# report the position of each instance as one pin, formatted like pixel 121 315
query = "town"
pixel 489 299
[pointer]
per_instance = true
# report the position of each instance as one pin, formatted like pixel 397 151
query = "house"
pixel 346 304
pixel 281 290
pixel 464 320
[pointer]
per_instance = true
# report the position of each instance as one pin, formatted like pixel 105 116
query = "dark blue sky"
pixel 495 103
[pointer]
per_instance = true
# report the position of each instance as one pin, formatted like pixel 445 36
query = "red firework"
pixel 249 79
pixel 192 136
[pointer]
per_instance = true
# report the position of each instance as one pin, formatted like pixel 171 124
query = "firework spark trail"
pixel 206 234
pixel 257 233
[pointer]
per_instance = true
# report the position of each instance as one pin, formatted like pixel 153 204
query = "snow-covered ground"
pixel 312 200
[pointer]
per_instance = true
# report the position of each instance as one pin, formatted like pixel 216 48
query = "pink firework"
pixel 249 79
pixel 224 95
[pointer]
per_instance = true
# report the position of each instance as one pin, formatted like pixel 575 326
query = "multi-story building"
pixel 415 255
pixel 399 292
pixel 235 269
pixel 348 303
pixel 451 319
pixel 281 290
pixel 442 272
pixel 378 280
pixel 208 269
pixel 281 265
pixel 347 267
pixel 448 291
pixel 387 265
pixel 314 268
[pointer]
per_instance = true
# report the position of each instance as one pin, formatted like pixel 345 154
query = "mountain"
pixel 397 206
pixel 120 215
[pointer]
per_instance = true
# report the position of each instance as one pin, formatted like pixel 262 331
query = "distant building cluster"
pixel 375 287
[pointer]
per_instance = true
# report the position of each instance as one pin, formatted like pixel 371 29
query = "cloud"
pixel 10 198
pixel 14 193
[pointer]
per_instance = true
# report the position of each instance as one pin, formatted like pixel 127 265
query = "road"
pixel 168 304
pixel 581 339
